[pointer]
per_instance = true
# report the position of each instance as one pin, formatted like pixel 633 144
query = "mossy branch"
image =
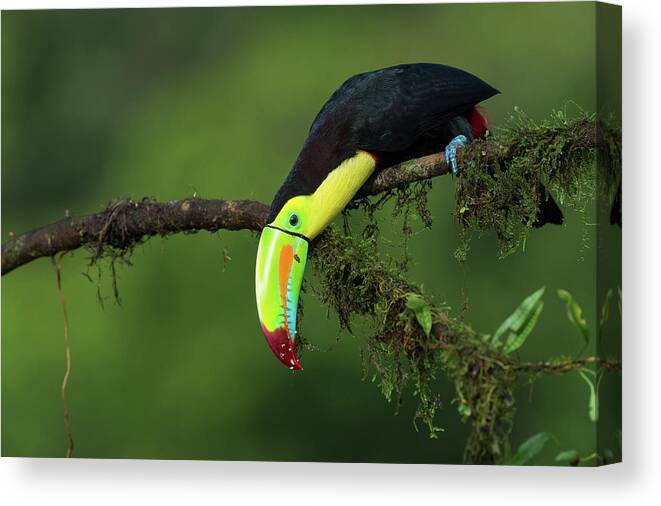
pixel 127 223
pixel 555 152
pixel 497 190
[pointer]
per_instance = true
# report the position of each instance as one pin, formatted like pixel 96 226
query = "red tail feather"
pixel 479 122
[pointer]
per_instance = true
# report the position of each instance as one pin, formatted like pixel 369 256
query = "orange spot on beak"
pixel 284 271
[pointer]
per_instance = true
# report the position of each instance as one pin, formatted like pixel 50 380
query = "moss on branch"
pixel 505 179
pixel 498 190
pixel 355 281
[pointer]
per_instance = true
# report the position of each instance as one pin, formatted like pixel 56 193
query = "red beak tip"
pixel 292 362
pixel 282 347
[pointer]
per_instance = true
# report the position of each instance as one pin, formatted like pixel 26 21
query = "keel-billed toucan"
pixel 372 121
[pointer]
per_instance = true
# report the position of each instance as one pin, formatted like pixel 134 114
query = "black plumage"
pixel 395 113
pixel 548 212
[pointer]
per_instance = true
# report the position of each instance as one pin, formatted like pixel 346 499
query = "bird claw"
pixel 451 152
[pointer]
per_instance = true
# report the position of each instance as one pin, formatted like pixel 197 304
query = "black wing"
pixel 387 110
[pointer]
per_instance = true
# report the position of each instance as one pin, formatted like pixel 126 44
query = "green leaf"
pixel 421 309
pixel 575 313
pixel 520 323
pixel 529 448
pixel 604 312
pixel 515 340
pixel 593 403
pixel 566 456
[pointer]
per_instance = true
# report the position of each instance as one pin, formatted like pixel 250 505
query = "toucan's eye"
pixel 293 220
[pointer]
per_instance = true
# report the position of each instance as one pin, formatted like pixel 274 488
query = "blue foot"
pixel 451 152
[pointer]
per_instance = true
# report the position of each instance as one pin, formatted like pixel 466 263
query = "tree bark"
pixel 127 223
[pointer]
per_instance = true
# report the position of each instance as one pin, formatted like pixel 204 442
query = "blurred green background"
pixel 105 104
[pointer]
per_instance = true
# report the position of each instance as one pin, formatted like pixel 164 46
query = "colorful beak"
pixel 281 258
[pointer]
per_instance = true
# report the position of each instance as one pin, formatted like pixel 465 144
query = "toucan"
pixel 372 121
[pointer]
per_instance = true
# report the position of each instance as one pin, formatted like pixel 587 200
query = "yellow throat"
pixel 319 209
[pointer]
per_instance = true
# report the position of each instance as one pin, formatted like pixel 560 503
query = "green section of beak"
pixel 281 259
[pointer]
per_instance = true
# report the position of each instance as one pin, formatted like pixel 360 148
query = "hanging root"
pixel 67 352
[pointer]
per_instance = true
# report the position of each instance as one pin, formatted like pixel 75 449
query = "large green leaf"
pixel 529 448
pixel 515 340
pixel 575 313
pixel 421 309
pixel 518 326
